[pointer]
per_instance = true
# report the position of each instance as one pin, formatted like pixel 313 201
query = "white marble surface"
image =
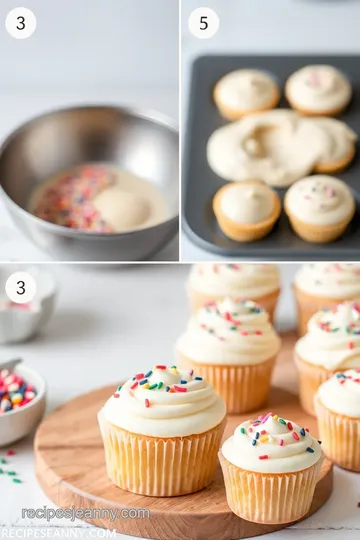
pixel 265 27
pixel 93 340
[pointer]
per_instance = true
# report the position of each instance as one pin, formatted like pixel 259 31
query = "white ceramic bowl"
pixel 18 325
pixel 18 423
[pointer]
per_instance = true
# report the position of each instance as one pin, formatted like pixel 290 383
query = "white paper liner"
pixel 160 467
pixel 340 437
pixel 269 498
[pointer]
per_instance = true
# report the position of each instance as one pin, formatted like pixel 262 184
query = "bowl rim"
pixel 40 395
pixel 147 114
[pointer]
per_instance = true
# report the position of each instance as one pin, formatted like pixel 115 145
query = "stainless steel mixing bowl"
pixel 145 144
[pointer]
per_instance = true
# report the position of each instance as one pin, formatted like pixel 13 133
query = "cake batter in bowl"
pixel 136 153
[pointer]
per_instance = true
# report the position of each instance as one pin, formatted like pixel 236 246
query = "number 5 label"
pixel 203 23
pixel 20 23
pixel 20 287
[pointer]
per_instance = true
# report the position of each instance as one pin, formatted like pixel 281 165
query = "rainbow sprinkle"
pixel 143 381
pixel 68 200
pixel 263 436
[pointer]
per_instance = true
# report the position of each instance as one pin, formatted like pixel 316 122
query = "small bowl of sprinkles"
pixel 96 183
pixel 22 402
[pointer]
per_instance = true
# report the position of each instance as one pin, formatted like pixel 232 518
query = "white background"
pixel 122 52
pixel 107 323
pixel 265 27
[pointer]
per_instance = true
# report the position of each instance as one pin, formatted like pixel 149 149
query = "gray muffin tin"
pixel 200 183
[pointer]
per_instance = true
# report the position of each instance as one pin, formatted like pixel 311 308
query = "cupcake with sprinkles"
pixel 337 405
pixel 162 431
pixel 234 346
pixel 319 208
pixel 213 282
pixel 274 460
pixel 324 285
pixel 332 344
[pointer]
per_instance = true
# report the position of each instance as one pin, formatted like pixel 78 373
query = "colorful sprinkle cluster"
pixel 234 324
pixel 14 391
pixel 323 194
pixel 263 437
pixel 68 201
pixel 216 267
pixel 141 381
pixel 341 323
pixel 343 377
pixel 4 472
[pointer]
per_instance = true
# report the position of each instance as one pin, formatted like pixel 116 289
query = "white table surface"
pixel 265 27
pixel 93 340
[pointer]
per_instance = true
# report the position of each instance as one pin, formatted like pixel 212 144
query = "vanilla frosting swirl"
pixel 319 88
pixel 278 146
pixel 165 402
pixel 341 393
pixel 333 338
pixel 271 445
pixel 334 139
pixel 230 332
pixel 239 280
pixel 246 89
pixel 320 200
pixel 251 202
pixel 331 280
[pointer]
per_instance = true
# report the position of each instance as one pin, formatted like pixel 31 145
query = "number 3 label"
pixel 203 23
pixel 20 23
pixel 20 287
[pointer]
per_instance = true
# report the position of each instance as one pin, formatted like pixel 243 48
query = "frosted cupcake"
pixel 232 344
pixel 210 282
pixel 319 90
pixel 161 432
pixel 324 285
pixel 337 406
pixel 246 211
pixel 332 344
pixel 319 208
pixel 267 464
pixel 245 91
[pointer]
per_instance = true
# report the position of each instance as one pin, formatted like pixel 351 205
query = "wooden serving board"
pixel 70 468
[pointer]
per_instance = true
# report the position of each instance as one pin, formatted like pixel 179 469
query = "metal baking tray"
pixel 200 183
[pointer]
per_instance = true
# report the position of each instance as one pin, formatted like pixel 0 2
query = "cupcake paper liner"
pixel 243 388
pixel 310 378
pixel 268 302
pixel 318 234
pixel 308 305
pixel 244 232
pixel 340 436
pixel 160 467
pixel 269 498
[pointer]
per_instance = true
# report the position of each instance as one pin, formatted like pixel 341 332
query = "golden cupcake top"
pixel 248 202
pixel 244 280
pixel 165 401
pixel 333 338
pixel 233 331
pixel 272 444
pixel 341 393
pixel 320 200
pixel 319 88
pixel 330 280
pixel 247 90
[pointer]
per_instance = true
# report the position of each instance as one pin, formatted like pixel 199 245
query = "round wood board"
pixel 70 467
